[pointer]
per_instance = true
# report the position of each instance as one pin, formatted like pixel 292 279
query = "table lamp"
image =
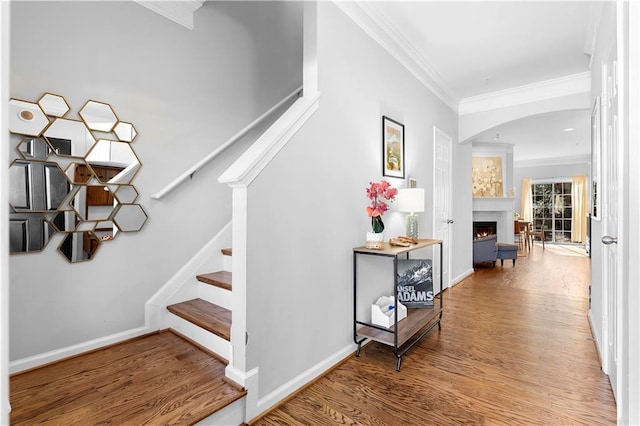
pixel 411 200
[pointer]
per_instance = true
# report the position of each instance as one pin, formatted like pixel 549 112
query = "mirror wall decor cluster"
pixel 72 176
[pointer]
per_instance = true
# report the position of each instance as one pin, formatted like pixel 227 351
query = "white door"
pixel 442 220
pixel 611 210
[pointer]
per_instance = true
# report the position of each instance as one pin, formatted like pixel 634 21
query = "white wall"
pixel 186 92
pixel 307 208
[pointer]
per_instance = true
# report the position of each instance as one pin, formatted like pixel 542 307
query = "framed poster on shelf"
pixel 415 283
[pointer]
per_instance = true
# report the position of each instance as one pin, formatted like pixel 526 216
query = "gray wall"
pixel 307 208
pixel 186 92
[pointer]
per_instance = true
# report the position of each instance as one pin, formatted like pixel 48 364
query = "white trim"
pixel 180 12
pixel 5 407
pixel 539 162
pixel 259 155
pixel 592 326
pixel 62 353
pixel 392 40
pixel 548 89
pixel 209 340
pixel 462 277
pixel 232 414
pixel 302 379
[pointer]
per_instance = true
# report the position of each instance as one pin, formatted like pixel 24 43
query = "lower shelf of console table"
pixel 416 320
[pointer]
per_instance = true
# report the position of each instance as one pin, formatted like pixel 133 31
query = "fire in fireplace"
pixel 483 229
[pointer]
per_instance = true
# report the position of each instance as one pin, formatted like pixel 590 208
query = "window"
pixel 552 208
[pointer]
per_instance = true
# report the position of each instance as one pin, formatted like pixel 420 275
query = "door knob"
pixel 608 240
pixel 449 220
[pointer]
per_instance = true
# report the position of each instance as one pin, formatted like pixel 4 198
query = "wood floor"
pixel 515 349
pixel 153 380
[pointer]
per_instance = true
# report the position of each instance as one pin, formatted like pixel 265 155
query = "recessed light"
pixel 569 129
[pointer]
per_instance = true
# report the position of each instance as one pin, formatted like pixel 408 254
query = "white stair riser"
pixel 201 336
pixel 216 295
pixel 226 263
pixel 232 414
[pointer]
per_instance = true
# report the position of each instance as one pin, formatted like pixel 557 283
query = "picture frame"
pixel 392 148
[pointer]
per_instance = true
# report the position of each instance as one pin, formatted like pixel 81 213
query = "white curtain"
pixel 527 200
pixel 579 208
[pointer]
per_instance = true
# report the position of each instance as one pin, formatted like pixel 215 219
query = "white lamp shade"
pixel 410 200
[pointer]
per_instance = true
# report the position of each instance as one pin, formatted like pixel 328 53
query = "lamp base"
pixel 412 225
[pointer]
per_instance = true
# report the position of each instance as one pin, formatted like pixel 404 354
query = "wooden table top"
pixel 395 250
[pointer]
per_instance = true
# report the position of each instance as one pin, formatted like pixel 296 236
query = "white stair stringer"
pixel 212 342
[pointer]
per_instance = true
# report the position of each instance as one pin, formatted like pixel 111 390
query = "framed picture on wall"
pixel 392 148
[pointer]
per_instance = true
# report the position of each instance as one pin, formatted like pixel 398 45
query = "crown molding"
pixel 556 161
pixel 548 89
pixel 180 12
pixel 386 35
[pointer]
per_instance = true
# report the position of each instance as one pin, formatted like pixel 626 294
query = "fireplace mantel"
pixel 493 204
pixel 499 210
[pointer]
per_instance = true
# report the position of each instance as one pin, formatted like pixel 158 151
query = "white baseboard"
pixel 461 277
pixel 62 353
pixel 297 382
pixel 596 342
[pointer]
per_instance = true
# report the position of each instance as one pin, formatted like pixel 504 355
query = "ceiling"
pixel 479 47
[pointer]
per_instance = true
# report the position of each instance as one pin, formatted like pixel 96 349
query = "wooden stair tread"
pixel 159 378
pixel 213 318
pixel 226 251
pixel 220 279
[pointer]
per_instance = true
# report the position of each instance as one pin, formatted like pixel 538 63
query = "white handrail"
pixel 193 170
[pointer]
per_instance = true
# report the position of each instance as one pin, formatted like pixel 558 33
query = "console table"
pixel 419 321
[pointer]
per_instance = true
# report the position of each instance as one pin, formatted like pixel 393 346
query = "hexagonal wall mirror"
pixel 26 118
pixel 125 131
pixel 89 202
pixel 98 116
pixel 69 138
pixel 53 105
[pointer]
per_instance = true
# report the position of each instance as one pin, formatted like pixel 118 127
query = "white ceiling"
pixel 479 47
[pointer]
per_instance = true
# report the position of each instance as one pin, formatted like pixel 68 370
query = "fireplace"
pixel 482 229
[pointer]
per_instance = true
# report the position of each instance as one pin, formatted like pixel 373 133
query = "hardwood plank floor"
pixel 515 349
pixel 155 379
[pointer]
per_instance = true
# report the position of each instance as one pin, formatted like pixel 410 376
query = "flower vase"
pixel 375 240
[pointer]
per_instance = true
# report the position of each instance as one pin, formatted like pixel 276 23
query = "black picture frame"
pixel 393 164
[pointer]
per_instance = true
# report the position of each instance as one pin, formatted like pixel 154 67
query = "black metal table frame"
pixel 396 350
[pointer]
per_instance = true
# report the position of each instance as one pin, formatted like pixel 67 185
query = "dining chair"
pixel 537 232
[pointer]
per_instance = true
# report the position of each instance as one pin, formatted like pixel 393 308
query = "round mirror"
pixel 37 186
pixel 34 149
pixel 69 138
pixel 98 116
pixel 125 131
pixel 26 118
pixel 79 246
pixel 113 162
pixel 129 217
pixel 54 105
pixel 29 232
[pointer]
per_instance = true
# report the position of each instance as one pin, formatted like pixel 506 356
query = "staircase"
pixel 206 319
